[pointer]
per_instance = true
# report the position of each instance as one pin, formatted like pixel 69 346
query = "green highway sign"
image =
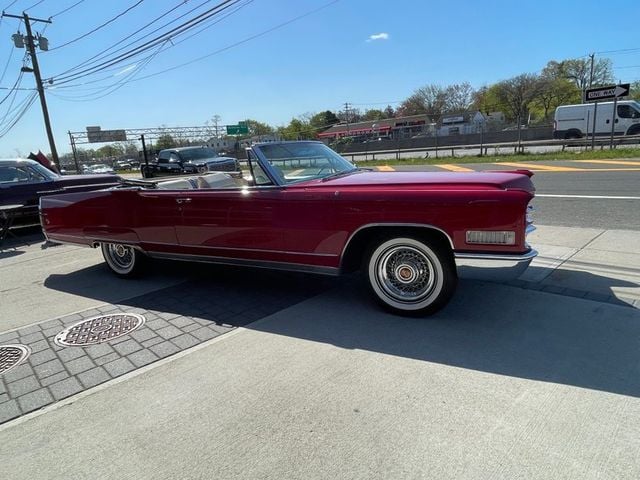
pixel 241 129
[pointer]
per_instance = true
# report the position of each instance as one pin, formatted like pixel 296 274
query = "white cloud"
pixel 378 36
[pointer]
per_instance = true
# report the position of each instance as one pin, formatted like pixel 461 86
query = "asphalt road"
pixel 569 184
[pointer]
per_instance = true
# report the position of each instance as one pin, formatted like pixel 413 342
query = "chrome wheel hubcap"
pixel 405 273
pixel 121 255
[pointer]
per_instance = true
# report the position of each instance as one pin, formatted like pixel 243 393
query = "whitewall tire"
pixel 410 276
pixel 123 260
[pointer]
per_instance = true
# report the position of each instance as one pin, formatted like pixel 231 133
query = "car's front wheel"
pixel 411 276
pixel 123 260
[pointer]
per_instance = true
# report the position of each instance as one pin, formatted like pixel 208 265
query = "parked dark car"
pixel 189 160
pixel 23 182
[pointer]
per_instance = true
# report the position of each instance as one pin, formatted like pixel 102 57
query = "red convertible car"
pixel 301 206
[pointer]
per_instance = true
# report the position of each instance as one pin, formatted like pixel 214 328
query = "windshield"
pixel 297 162
pixel 45 172
pixel 197 154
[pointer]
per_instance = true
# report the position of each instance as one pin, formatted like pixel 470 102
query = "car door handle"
pixel 183 200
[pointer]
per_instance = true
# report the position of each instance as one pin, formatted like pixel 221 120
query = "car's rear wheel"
pixel 411 276
pixel 123 260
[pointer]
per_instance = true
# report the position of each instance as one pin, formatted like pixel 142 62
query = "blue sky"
pixel 313 64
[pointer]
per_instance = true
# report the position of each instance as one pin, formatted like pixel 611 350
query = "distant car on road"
pixel 189 160
pixel 122 165
pixel 23 182
pixel 100 168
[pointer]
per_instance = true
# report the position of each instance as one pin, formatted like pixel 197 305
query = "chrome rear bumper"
pixel 488 266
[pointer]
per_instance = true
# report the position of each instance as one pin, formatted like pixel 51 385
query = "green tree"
pixel 552 93
pixel 436 100
pixel 635 91
pixel 165 141
pixel 389 112
pixel 111 150
pixel 517 94
pixel 298 129
pixel 578 71
pixel 323 120
pixel 257 128
pixel 373 114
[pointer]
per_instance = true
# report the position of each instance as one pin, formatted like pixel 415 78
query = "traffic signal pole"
pixel 30 44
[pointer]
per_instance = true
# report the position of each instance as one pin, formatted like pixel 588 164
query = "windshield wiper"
pixel 344 173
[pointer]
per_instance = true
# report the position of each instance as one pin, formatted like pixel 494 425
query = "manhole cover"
pixel 99 329
pixel 12 356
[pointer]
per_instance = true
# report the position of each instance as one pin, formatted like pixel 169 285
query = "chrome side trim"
pixel 494 267
pixel 260 250
pixel 530 229
pixel 412 225
pixel 291 267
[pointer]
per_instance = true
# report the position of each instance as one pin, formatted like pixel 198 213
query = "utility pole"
pixel 347 107
pixel 29 41
pixel 592 57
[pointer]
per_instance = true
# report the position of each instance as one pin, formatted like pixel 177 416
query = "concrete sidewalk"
pixel 504 383
pixel 539 379
pixel 602 265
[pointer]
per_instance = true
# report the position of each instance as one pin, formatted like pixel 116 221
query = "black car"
pixel 23 182
pixel 189 160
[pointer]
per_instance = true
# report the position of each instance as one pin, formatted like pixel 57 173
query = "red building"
pixel 387 128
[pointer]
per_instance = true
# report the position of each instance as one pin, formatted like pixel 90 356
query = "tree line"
pixel 528 98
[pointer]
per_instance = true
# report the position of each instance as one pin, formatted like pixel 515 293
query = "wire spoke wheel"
pixel 408 276
pixel 405 273
pixel 123 260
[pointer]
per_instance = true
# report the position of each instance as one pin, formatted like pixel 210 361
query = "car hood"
pixel 501 180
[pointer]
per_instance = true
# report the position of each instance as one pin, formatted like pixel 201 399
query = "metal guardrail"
pixel 586 142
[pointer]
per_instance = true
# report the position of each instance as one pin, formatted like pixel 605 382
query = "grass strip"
pixel 523 157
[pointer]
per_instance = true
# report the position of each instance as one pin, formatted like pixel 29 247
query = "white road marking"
pixel 598 197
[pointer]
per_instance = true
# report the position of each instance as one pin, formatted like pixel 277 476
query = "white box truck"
pixel 577 121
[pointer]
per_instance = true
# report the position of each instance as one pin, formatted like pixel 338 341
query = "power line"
pixel 66 9
pixel 149 44
pixel 112 88
pixel 134 64
pixel 622 50
pixel 34 5
pixel 15 94
pixel 245 40
pixel 100 54
pixel 111 20
pixel 10 5
pixel 4 71
pixel 13 88
pixel 13 47
pixel 19 116
pixel 378 103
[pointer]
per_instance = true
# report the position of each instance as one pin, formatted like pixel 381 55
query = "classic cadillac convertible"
pixel 301 206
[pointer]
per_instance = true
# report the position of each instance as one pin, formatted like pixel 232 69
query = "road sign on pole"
pixel 610 92
pixel 241 129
